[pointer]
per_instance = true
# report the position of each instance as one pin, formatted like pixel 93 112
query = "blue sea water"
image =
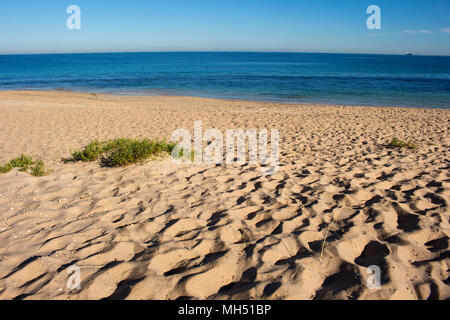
pixel 347 79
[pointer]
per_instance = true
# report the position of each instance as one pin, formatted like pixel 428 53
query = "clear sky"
pixel 418 26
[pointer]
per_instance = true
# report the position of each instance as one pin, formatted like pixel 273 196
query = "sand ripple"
pixel 167 231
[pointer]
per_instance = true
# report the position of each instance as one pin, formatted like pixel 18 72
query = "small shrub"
pixel 38 169
pixel 122 152
pixel 397 143
pixel 90 153
pixel 6 167
pixel 128 151
pixel 24 162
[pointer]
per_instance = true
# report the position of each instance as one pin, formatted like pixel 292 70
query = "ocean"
pixel 323 78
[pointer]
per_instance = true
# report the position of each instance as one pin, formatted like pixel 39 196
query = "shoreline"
pixel 137 94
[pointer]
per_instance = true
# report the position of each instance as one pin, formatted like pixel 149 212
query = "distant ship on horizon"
pixel 409 54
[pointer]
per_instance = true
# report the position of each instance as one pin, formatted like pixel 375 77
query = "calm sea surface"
pixel 354 79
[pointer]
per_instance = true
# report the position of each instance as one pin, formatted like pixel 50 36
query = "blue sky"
pixel 419 26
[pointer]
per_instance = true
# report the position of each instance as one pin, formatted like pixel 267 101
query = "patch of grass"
pixel 6 168
pixel 129 151
pixel 38 169
pixel 123 151
pixel 397 143
pixel 24 162
pixel 91 152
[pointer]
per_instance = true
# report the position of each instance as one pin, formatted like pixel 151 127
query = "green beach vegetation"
pixel 123 151
pixel 397 143
pixel 25 163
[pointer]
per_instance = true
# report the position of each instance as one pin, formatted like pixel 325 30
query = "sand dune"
pixel 167 231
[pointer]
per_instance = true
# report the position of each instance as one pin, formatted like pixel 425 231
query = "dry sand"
pixel 167 231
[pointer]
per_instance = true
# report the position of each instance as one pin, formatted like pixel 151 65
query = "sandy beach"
pixel 162 230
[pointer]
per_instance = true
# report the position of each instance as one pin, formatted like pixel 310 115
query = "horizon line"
pixel 219 51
